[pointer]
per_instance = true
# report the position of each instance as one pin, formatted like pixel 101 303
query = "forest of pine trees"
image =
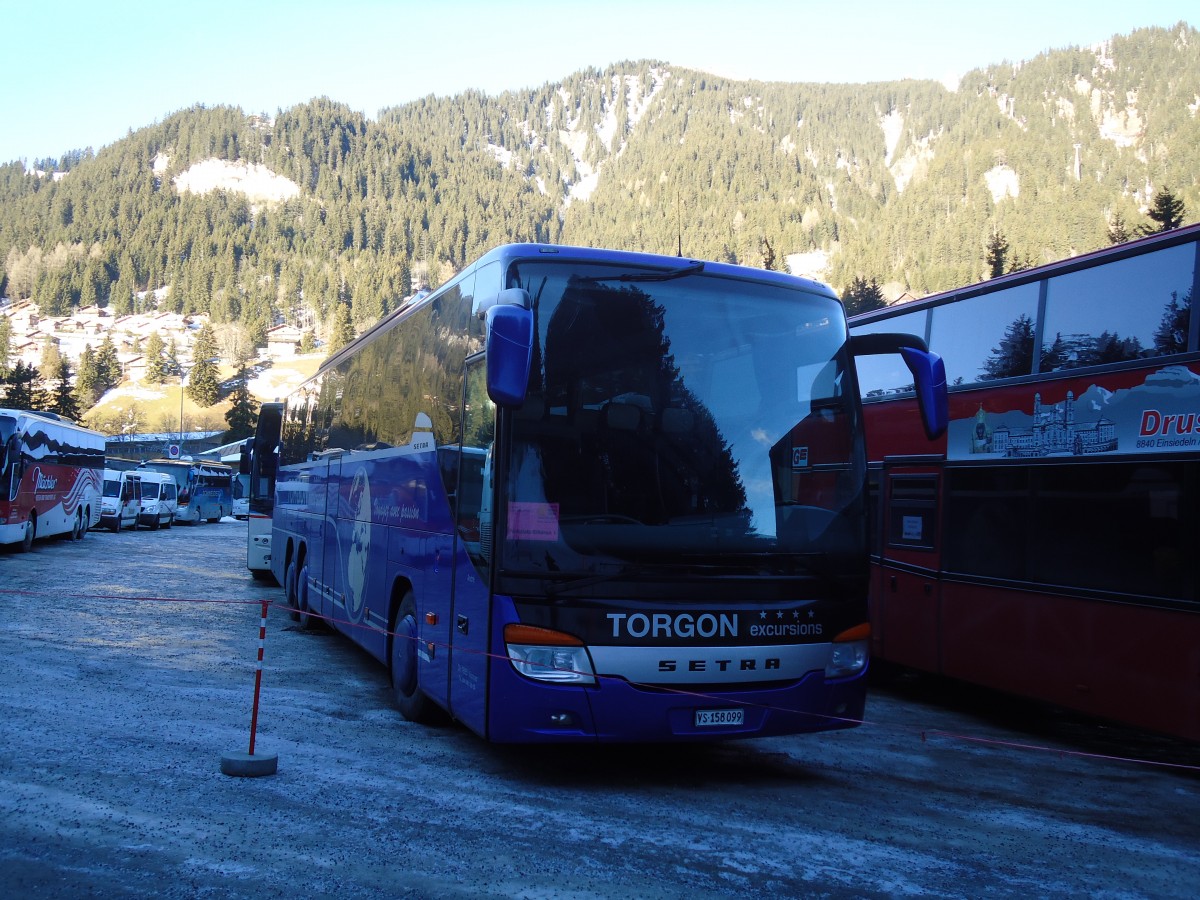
pixel 747 172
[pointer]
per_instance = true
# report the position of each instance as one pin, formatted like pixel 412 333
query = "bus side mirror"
pixel 929 376
pixel 928 371
pixel 509 353
pixel 244 459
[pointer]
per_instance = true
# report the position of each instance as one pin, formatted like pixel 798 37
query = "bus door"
pixel 325 572
pixel 906 595
pixel 469 630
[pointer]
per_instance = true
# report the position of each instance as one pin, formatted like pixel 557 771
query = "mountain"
pixel 260 220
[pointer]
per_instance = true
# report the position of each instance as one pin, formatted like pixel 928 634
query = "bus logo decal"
pixel 359 551
pixel 664 625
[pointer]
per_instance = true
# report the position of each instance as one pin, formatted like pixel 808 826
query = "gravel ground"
pixel 118 705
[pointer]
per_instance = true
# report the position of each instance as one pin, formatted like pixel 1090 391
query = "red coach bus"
pixel 1048 548
pixel 51 471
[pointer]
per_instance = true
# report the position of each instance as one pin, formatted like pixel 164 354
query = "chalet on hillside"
pixel 134 368
pixel 283 341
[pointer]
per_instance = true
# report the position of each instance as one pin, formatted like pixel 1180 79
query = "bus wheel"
pixel 29 534
pixel 289 590
pixel 79 530
pixel 304 619
pixel 414 705
pixel 116 526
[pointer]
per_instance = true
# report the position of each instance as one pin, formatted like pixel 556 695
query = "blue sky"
pixel 80 73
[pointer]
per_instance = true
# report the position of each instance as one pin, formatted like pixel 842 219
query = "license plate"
pixel 711 717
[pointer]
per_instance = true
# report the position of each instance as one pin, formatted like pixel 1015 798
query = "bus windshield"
pixel 8 430
pixel 112 488
pixel 700 422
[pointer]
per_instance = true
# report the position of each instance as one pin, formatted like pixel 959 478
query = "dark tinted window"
pixel 988 336
pixel 1125 310
pixel 1111 527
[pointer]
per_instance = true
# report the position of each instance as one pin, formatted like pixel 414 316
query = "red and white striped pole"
pixel 247 764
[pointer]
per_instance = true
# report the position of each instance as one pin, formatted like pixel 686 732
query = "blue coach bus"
pixel 205 488
pixel 590 495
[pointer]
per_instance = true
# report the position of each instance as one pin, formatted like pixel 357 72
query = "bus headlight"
pixel 849 652
pixel 546 655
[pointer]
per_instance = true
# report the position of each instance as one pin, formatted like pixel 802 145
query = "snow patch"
pixel 1003 182
pixel 814 264
pixel 906 168
pixel 893 126
pixel 575 140
pixel 502 155
pixel 254 180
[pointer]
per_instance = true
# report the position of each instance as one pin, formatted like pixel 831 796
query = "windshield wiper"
pixel 566 582
pixel 670 274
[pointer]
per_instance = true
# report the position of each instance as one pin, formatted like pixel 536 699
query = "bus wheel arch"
pixel 403 661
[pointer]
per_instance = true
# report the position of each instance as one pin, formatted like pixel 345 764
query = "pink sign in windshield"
pixel 533 521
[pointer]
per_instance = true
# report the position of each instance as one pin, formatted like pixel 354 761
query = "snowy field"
pixel 128 669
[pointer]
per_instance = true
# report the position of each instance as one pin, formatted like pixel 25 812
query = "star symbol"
pixel 779 615
pixel 763 614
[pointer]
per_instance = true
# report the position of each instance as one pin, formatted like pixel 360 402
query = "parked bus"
pixel 1047 546
pixel 50 476
pixel 231 455
pixel 257 465
pixel 205 489
pixel 589 495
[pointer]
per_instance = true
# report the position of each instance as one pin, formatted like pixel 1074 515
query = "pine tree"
pixel 20 383
pixel 241 416
pixel 997 253
pixel 1166 211
pixel 85 379
pixel 5 343
pixel 863 296
pixel 1014 356
pixel 61 396
pixel 108 367
pixel 1171 336
pixel 203 381
pixel 156 361
pixel 341 332
pixel 1118 232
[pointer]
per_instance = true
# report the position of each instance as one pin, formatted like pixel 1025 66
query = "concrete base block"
pixel 243 765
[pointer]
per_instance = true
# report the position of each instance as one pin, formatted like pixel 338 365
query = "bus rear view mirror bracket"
pixel 928 371
pixel 509 351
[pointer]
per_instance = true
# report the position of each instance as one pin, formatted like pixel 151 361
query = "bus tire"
pixel 116 525
pixel 80 529
pixel 412 702
pixel 305 620
pixel 289 590
pixel 29 534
